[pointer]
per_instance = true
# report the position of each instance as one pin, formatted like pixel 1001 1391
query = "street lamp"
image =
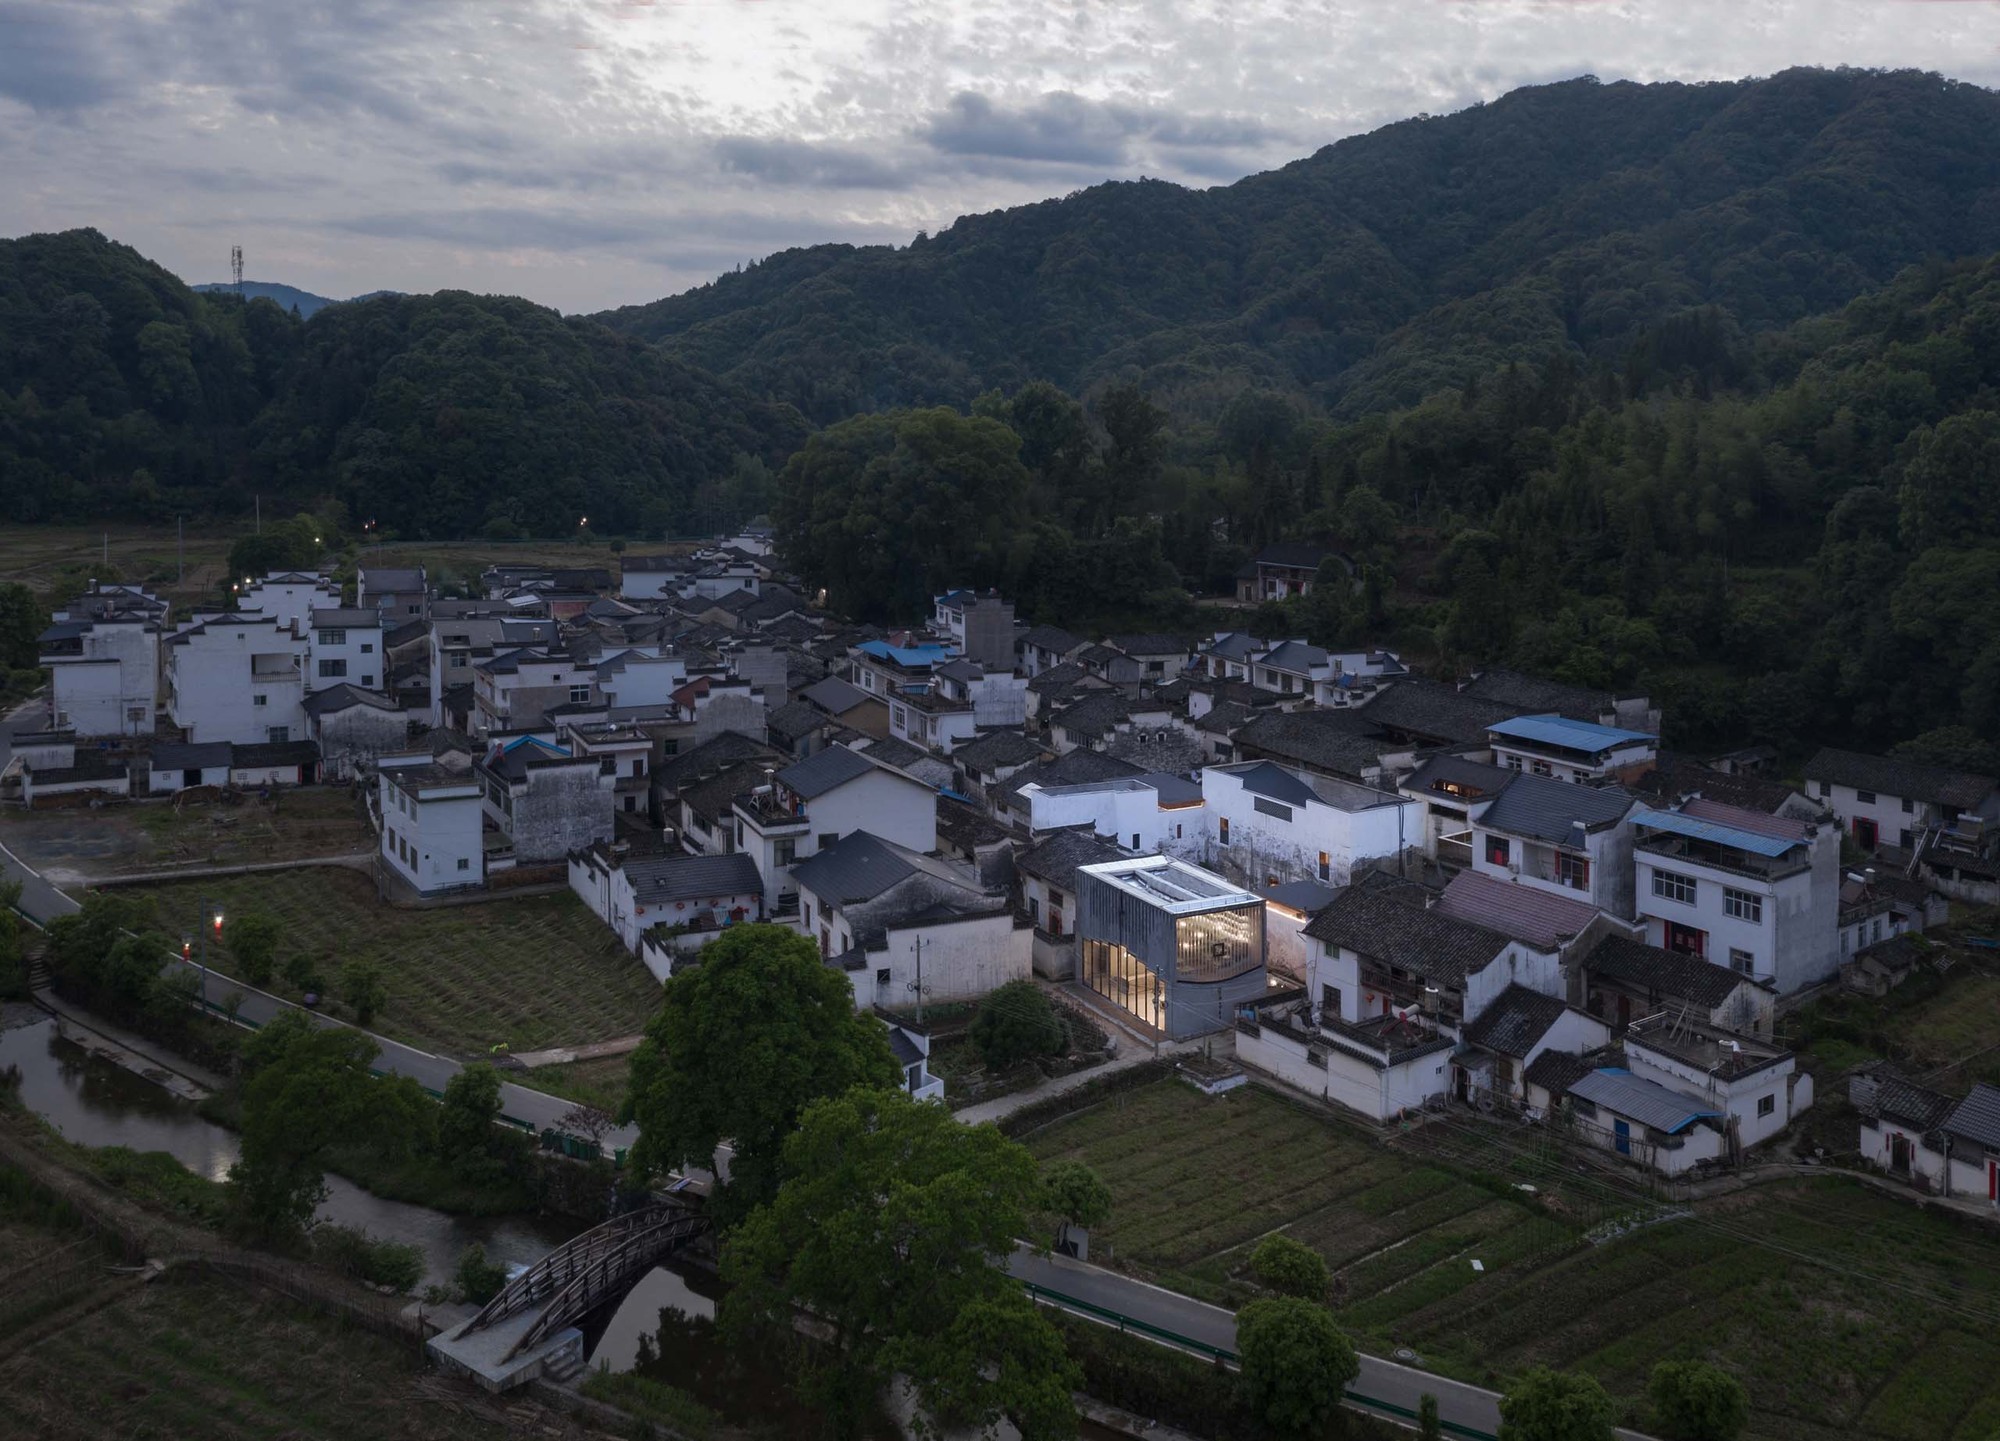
pixel 215 912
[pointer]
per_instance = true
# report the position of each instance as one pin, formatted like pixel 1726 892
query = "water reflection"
pixel 96 1103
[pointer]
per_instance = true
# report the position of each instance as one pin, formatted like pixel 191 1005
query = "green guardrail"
pixel 1189 1343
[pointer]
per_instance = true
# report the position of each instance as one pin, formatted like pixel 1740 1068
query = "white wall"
pixel 358 654
pixel 643 680
pixel 962 961
pixel 217 693
pixel 290 603
pixel 1789 1090
pixel 118 674
pixel 1379 1093
pixel 1119 813
pixel 1794 942
pixel 1262 845
pixel 425 839
pixel 1518 965
pixel 1532 862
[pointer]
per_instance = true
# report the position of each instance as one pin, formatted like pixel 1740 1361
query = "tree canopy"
pixel 1545 1405
pixel 1296 1363
pixel 888 1225
pixel 741 1045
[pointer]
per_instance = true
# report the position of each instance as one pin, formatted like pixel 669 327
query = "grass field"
pixel 158 836
pixel 207 1360
pixel 534 972
pixel 1847 1312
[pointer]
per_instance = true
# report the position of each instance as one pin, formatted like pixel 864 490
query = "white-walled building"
pixel 1573 840
pixel 238 678
pixel 810 804
pixel 677 902
pixel 432 822
pixel 1570 750
pixel 103 657
pixel 546 800
pixel 1889 801
pixel 346 649
pixel 1150 812
pixel 400 593
pixel 289 597
pixel 1757 893
pixel 1272 824
pixel 1454 790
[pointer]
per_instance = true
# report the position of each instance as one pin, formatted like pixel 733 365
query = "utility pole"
pixel 917 945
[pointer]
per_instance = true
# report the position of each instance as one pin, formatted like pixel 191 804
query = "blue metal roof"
pixel 1647 1102
pixel 1555 730
pixel 910 655
pixel 1698 829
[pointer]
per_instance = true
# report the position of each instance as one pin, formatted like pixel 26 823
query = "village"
pixel 1395 896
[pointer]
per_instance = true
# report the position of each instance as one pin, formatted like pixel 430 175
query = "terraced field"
pixel 1847 1312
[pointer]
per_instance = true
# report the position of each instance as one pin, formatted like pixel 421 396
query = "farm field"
pixel 69 846
pixel 1847 1312
pixel 530 972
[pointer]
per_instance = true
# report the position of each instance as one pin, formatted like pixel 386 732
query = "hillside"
pixel 1577 217
pixel 125 392
pixel 285 297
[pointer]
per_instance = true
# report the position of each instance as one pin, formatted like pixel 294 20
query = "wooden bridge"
pixel 529 1327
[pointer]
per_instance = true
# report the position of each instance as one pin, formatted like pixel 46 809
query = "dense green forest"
pixel 1688 388
pixel 124 392
pixel 1573 218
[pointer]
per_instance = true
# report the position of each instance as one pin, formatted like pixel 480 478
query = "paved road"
pixel 40 901
pixel 1471 1407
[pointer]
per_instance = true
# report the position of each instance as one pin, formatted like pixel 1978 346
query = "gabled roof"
pixel 1667 974
pixel 1917 1107
pixel 966 826
pixel 1305 896
pixel 1674 776
pixel 1646 1102
pixel 1233 645
pixel 835 696
pixel 1514 1022
pixel 1298 554
pixel 1550 810
pixel 718 752
pixel 1433 711
pixel 1077 768
pixel 1759 823
pixel 660 880
pixel 1329 740
pixel 1052 638
pixel 713 798
pixel 857 867
pixel 1560 730
pixel 824 771
pixel 1093 714
pixel 337 698
pixel 1527 913
pixel 795 719
pixel 1977 1117
pixel 1386 929
pixel 1556 1071
pixel 1473 780
pixel 1056 856
pixel 1271 780
pixel 1894 776
pixel 1532 693
pixel 995 750
pixel 1294 656
pixel 384 578
pixel 207 755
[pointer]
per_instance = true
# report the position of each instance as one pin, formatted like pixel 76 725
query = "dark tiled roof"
pixel 207 755
pixel 716 753
pixel 1268 778
pixel 1077 768
pixel 1421 941
pixel 835 696
pixel 276 753
pixel 1093 715
pixel 1674 776
pixel 344 697
pixel 1294 656
pixel 1052 638
pixel 1892 776
pixel 997 749
pixel 1662 972
pixel 1915 1106
pixel 1479 778
pixel 713 798
pixel 1556 1071
pixel 857 867
pixel 1527 694
pixel 795 719
pixel 1526 913
pixel 1977 1117
pixel 896 752
pixel 1515 1021
pixel 684 878
pixel 1055 858
pixel 1234 645
pixel 1549 810
pixel 824 771
pixel 1338 742
pixel 1225 718
pixel 1298 554
pixel 1434 711
pixel 966 826
pixel 1306 896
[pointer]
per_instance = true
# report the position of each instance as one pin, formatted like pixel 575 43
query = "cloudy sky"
pixel 588 153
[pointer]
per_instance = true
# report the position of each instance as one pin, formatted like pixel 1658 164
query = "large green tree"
pixel 741 1045
pixel 1698 1401
pixel 1296 1363
pixel 889 1226
pixel 1545 1405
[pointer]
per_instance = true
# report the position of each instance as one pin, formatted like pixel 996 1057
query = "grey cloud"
pixel 53 57
pixel 789 162
pixel 1060 127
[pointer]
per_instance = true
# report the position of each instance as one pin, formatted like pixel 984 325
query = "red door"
pixel 1993 1181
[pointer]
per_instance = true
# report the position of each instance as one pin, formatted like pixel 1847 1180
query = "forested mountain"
pixel 285 297
pixel 122 391
pixel 1575 217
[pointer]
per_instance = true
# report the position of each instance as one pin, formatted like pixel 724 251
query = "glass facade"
pixel 1216 945
pixel 1119 976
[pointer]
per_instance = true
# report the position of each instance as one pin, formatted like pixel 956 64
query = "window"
pixel 278 735
pixel 333 637
pixel 367 649
pixel 1573 871
pixel 260 700
pixel 1513 763
pixel 1329 1000
pixel 1909 806
pixel 1742 962
pixel 1498 851
pixel 1672 886
pixel 1222 829
pixel 1325 866
pixel 639 766
pixel 1867 798
pixel 1766 1105
pixel 1271 808
pixel 579 695
pixel 784 852
pixel 464 864
pixel 881 975
pixel 1543 768
pixel 1825 789
pixel 1135 840
pixel 369 681
pixel 330 669
pixel 1742 905
pixel 827 838
pixel 608 766
pixel 1034 910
